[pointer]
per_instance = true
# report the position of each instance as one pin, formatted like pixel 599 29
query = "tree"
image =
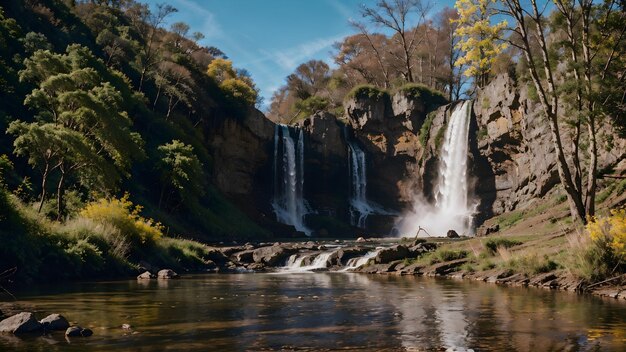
pixel 236 85
pixel 82 128
pixel 309 78
pixel 480 40
pixel 181 172
pixel 395 16
pixel 589 65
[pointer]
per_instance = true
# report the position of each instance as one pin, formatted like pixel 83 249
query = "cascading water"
pixel 355 263
pixel 294 263
pixel 289 204
pixel 452 209
pixel 360 208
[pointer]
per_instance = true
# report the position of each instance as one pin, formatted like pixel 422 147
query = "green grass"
pixel 509 219
pixel 531 264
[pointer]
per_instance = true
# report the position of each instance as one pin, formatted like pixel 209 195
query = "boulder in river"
pixel 55 322
pixel 167 274
pixel 272 255
pixel 77 331
pixel 20 323
pixel 245 256
pixel 146 275
pixel 392 253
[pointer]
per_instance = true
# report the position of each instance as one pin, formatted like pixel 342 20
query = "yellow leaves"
pixel 124 216
pixel 480 39
pixel 611 229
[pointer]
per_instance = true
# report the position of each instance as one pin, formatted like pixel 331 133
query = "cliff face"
pixel 511 157
pixel 514 139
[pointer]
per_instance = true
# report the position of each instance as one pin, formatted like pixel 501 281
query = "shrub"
pixel 425 129
pixel 492 244
pixel 531 264
pixel 311 105
pixel 446 255
pixel 612 231
pixel 368 91
pixel 432 98
pixel 124 216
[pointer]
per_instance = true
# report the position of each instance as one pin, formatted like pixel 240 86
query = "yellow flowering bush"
pixel 612 230
pixel 123 215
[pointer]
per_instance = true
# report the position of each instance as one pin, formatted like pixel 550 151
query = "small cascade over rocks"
pixel 289 204
pixel 453 208
pixel 355 263
pixel 321 262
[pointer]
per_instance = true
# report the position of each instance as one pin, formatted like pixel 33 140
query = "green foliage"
pixel 181 171
pixel 425 129
pixel 507 220
pixel 311 105
pixel 531 264
pixel 367 91
pixel 238 90
pixel 492 244
pixel 432 98
pixel 482 134
pixel 440 136
pixel 446 255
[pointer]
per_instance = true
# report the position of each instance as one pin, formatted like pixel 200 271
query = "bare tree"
pixel 395 15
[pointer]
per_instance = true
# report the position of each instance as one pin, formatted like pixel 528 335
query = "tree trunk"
pixel 60 195
pixel 44 181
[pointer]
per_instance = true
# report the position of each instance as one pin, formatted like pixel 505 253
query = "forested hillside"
pixel 104 120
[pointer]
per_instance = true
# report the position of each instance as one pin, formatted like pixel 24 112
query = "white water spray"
pixel 289 204
pixel 452 209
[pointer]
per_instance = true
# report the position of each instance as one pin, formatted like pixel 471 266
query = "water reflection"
pixel 321 311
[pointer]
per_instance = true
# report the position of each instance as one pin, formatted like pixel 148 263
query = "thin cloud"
pixel 292 57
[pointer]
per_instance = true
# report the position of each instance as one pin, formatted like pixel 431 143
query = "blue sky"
pixel 270 38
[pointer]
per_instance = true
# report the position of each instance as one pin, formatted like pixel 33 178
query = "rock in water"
pixel 146 276
pixel 20 323
pixel 55 322
pixel 361 239
pixel 77 331
pixel 167 274
pixel 272 255
pixel 452 234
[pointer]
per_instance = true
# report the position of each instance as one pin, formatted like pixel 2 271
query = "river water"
pixel 319 311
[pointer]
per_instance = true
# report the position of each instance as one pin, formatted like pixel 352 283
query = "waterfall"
pixel 289 204
pixel 452 209
pixel 360 208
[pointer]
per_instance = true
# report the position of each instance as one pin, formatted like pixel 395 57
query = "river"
pixel 319 311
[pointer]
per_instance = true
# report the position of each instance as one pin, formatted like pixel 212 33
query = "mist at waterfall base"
pixel 453 208
pixel 288 203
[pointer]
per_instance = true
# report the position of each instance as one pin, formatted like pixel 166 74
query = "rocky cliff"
pixel 511 157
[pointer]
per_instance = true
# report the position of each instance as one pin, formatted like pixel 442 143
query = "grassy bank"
pixel 540 240
pixel 106 239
